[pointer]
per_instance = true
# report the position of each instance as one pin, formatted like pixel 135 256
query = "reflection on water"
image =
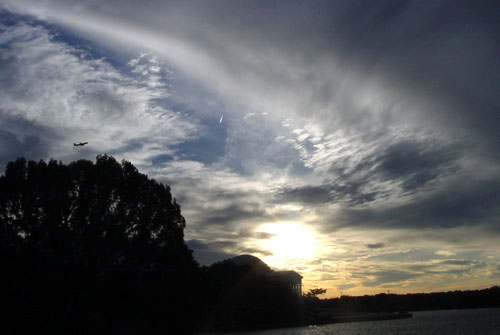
pixel 452 322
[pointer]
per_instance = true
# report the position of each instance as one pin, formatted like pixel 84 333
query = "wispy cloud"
pixel 54 86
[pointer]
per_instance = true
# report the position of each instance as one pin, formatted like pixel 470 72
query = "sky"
pixel 355 142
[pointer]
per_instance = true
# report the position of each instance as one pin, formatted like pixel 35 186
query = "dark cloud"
pixel 232 214
pixel 307 194
pixel 196 244
pixel 413 256
pixel 387 277
pixel 446 46
pixel 496 272
pixel 459 262
pixel 162 158
pixel 208 253
pixel 255 251
pixel 348 192
pixel 376 245
pixel 233 208
pixel 464 202
pixel 210 257
pixel 22 138
pixel 441 193
pixel 409 166
pixel 343 287
pixel 446 266
pixel 415 164
pixel 256 235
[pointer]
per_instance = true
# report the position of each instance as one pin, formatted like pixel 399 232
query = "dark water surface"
pixel 449 322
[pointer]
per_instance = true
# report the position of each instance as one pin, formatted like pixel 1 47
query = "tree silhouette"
pixel 314 292
pixel 90 243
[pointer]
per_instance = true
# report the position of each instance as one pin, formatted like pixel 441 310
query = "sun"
pixel 289 241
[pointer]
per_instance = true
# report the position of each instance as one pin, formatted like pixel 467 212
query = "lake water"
pixel 449 322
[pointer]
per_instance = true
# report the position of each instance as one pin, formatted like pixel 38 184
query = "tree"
pixel 312 303
pixel 314 292
pixel 88 239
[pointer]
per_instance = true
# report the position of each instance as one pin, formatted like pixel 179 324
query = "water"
pixel 450 322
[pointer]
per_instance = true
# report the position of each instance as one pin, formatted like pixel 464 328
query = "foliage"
pixel 314 292
pixel 382 302
pixel 83 240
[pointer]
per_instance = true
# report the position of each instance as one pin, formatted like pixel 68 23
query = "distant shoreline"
pixel 245 331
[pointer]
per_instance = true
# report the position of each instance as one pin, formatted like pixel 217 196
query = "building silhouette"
pixel 288 278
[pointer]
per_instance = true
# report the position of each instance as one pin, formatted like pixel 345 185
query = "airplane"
pixel 81 144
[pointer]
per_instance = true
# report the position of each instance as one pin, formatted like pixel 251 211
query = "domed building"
pixel 249 260
pixel 291 279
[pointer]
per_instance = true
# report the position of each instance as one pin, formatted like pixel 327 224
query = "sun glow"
pixel 289 241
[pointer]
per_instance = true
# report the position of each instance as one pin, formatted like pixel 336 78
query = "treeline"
pixel 489 297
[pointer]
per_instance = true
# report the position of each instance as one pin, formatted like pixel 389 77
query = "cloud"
pixel 445 253
pixel 459 262
pixel 415 164
pixel 207 254
pixel 210 252
pixel 22 138
pixel 346 286
pixel 388 277
pixel 307 194
pixel 376 245
pixel 64 95
pixel 403 168
pixel 233 213
pixel 463 202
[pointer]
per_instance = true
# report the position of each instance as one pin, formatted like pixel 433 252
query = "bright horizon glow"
pixel 290 241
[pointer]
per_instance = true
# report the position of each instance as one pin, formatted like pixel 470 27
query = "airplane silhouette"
pixel 81 144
